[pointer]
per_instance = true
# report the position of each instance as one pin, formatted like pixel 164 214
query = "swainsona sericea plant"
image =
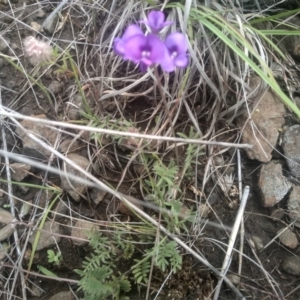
pixel 149 49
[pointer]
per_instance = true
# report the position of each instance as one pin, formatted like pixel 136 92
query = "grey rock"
pixel 60 210
pixel 288 238
pixel 74 107
pixel 272 183
pixel 4 42
pixel 68 145
pixel 36 290
pixel 258 242
pixel 291 265
pixel 267 117
pixel 55 87
pixel 19 171
pixel 294 205
pixel 46 134
pixel 291 149
pixel 80 232
pixel 6 231
pixel 67 295
pixel 3 250
pixel 49 235
pixel 97 195
pixel 40 13
pixel 2 62
pixel 75 188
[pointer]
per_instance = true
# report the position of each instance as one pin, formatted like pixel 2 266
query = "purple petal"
pixel 131 31
pixel 156 19
pixel 156 48
pixel 167 63
pixel 176 42
pixel 134 48
pixel 181 61
pixel 119 46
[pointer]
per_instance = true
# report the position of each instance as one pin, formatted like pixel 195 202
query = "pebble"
pixel 273 185
pixel 267 117
pixel 55 87
pixel 73 187
pixel 47 239
pixel 66 295
pixel 291 265
pixel 288 238
pixel 47 134
pixel 19 171
pixel 293 205
pixel 81 230
pixel 4 44
pixel 291 149
pixel 97 195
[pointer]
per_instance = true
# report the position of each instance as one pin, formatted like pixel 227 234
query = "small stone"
pixel 55 87
pixel 67 295
pixel 60 210
pixel 262 130
pixel 288 238
pixel 36 26
pixel 294 205
pixel 291 265
pixel 49 235
pixel 291 149
pixel 235 279
pixel 19 171
pixel 2 62
pixel 64 146
pixel 125 209
pixel 46 134
pixel 4 44
pixel 36 290
pixel 97 195
pixel 258 243
pixel 40 13
pixel 80 232
pixel 74 107
pixel 73 187
pixel 3 250
pixel 203 210
pixel 273 185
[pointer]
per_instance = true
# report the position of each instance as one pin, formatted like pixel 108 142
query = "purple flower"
pixel 175 52
pixel 120 43
pixel 156 21
pixel 137 47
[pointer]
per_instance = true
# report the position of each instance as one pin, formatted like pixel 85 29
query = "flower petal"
pixel 134 47
pixel 119 46
pixel 156 19
pixel 167 63
pixel 181 61
pixel 156 47
pixel 176 42
pixel 131 31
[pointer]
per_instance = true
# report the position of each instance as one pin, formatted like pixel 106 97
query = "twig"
pixel 242 227
pixel 232 239
pixel 12 210
pixel 115 132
